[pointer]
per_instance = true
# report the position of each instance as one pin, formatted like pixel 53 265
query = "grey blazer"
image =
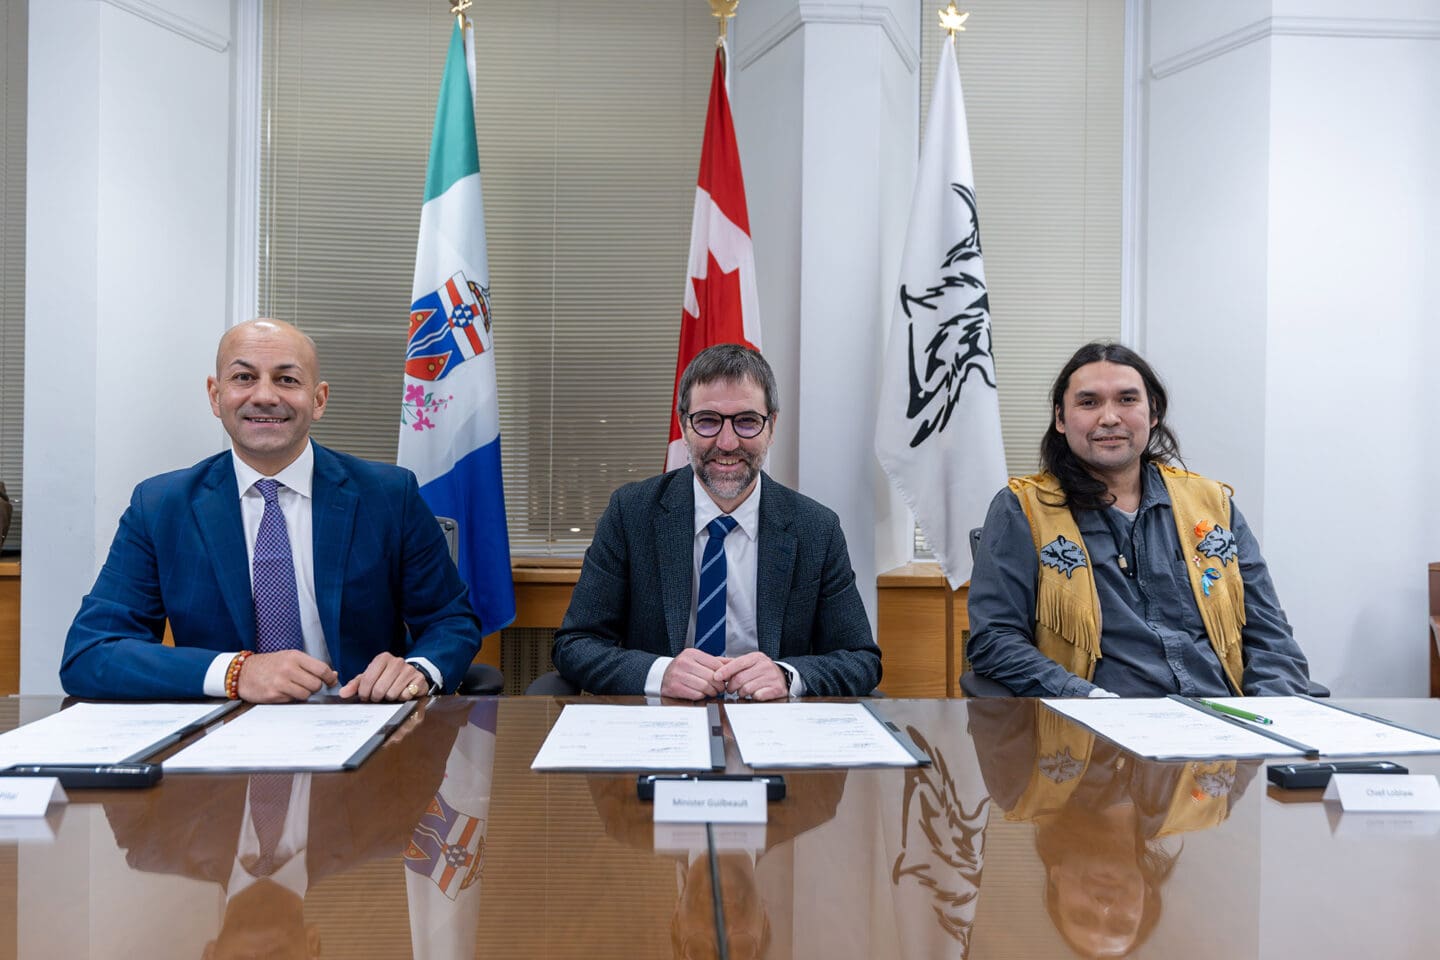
pixel 632 602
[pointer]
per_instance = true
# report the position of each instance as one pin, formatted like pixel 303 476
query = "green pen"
pixel 1235 712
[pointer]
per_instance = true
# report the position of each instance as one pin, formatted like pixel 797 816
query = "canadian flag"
pixel 721 305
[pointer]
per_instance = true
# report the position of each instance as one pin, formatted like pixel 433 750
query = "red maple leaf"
pixel 721 319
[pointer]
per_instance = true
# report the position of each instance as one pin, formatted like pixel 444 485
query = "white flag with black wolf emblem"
pixel 938 430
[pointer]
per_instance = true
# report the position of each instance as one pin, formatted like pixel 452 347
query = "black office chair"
pixel 974 685
pixel 971 683
pixel 481 679
pixel 551 685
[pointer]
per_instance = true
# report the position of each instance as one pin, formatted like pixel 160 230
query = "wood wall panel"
pixel 912 624
pixel 922 625
pixel 9 627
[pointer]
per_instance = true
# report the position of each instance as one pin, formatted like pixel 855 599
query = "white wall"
pixel 1292 302
pixel 1203 322
pixel 767 93
pixel 1353 339
pixel 826 98
pixel 126 278
pixel 1287 258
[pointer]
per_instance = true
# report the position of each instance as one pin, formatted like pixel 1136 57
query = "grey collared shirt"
pixel 1153 639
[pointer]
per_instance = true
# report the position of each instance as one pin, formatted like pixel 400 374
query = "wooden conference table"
pixel 1024 832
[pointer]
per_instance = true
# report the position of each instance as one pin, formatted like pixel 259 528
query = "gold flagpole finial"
pixel 458 7
pixel 723 10
pixel 951 20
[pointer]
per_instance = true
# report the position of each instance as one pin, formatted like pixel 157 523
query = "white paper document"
pixel 101 733
pixel 290 736
pixel 1166 729
pixel 1332 731
pixel 606 737
pixel 813 735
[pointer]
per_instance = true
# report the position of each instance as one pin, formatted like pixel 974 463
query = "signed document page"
pixel 1166 729
pixel 1331 730
pixel 813 735
pixel 608 737
pixel 291 736
pixel 102 733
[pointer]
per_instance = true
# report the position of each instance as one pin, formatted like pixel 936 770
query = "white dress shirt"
pixel 742 573
pixel 295 503
pixel 292 874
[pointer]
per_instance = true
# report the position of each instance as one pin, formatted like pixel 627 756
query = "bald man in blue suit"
pixel 383 611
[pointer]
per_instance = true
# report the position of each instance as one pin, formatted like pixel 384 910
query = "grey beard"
pixel 724 488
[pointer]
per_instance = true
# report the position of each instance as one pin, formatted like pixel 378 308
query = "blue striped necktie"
pixel 277 599
pixel 710 599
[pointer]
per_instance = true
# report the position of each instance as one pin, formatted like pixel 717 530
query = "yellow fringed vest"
pixel 1067 608
pixel 1200 798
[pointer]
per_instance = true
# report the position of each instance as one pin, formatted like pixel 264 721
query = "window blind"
pixel 589 142
pixel 14 36
pixel 589 145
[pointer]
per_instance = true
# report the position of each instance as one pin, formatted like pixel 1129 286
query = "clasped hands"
pixel 696 675
pixel 289 675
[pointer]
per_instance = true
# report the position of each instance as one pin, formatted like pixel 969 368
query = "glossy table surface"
pixel 1026 837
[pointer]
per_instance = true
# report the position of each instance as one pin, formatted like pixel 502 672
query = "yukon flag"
pixel 721 305
pixel 450 424
pixel 937 433
pixel 445 857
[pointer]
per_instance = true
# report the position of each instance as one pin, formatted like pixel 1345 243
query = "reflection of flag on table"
pixel 721 304
pixel 448 846
pixel 937 433
pixel 450 422
pixel 445 857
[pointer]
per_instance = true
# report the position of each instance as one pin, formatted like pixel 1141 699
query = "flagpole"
pixel 937 429
pixel 458 7
pixel 724 12
pixel 952 21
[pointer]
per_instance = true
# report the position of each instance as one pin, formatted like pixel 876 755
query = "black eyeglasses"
pixel 708 423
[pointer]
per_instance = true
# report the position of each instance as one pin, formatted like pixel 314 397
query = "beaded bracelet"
pixel 232 674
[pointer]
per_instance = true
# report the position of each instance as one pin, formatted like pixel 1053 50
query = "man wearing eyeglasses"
pixel 713 579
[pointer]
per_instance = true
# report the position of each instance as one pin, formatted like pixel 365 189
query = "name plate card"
pixel 690 838
pixel 29 796
pixel 1371 792
pixel 710 801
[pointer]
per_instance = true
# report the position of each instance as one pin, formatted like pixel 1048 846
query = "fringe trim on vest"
pixel 1070 612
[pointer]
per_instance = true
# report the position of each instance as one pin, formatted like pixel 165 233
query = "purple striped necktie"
pixel 277 600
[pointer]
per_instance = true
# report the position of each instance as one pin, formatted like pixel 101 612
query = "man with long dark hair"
pixel 1116 571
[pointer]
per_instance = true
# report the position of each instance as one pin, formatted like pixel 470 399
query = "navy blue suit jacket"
pixel 381 566
pixel 632 603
